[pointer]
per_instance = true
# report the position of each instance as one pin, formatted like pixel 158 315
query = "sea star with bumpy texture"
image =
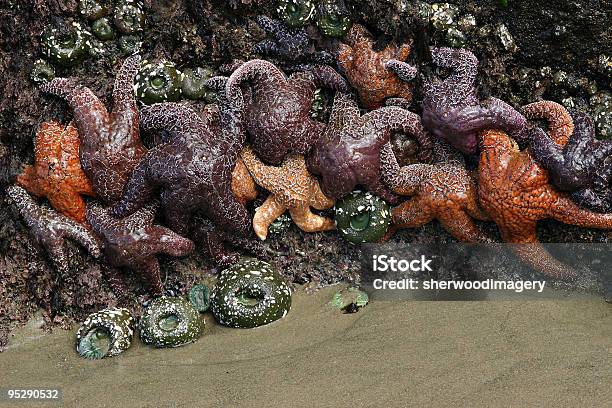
pixel 133 242
pixel 288 44
pixel 575 160
pixel 57 173
pixel 292 188
pixel 444 190
pixel 50 229
pixel 451 108
pixel 110 142
pixel 515 191
pixel 366 71
pixel 348 154
pixel 277 109
pixel 192 169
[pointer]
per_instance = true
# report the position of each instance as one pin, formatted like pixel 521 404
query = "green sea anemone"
pixel 68 45
pixel 295 13
pixel 332 18
pixel 170 322
pixel 130 44
pixel 199 296
pixel 192 84
pixel 94 9
pixel 158 82
pixel 344 299
pixel 250 294
pixel 102 29
pixel 105 333
pixel 128 17
pixel 362 217
pixel 42 72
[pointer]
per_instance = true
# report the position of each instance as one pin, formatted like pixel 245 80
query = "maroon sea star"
pixel 575 160
pixel 192 170
pixel 133 242
pixel 288 44
pixel 277 109
pixel 110 142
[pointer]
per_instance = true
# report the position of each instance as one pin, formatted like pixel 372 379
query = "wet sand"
pixel 390 354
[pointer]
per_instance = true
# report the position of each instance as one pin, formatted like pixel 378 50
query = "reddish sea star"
pixel 57 173
pixel 444 190
pixel 516 193
pixel 366 71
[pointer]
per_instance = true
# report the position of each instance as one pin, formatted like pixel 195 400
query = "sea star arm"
pixel 172 117
pixel 403 70
pixel 265 215
pixel 463 63
pixel 402 180
pixel 536 256
pixel 139 189
pixel 50 228
pixel 461 226
pixel 492 113
pixel 565 210
pixel 70 203
pixel 267 47
pixel 257 73
pixel 149 267
pixel 413 213
pixel 272 27
pixel 344 111
pixel 90 115
pixel 166 241
pixel 390 119
pixel 560 123
pixel 325 76
pixel 309 222
pixel 319 200
pixel 80 234
pixel 243 185
pixel 546 151
pixel 124 116
pixel 233 133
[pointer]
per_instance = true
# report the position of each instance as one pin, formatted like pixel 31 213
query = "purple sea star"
pixel 291 45
pixel 192 170
pixel 277 109
pixel 451 108
pixel 583 166
pixel 50 229
pixel 348 154
pixel 133 242
pixel 110 142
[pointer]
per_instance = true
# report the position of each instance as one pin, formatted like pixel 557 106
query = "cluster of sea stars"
pixel 261 133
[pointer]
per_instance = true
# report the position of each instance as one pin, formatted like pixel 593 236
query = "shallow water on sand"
pixel 393 354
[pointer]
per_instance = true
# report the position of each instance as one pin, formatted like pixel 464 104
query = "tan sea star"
pixel 292 188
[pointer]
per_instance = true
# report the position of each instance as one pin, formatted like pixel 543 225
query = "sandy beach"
pixel 391 353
